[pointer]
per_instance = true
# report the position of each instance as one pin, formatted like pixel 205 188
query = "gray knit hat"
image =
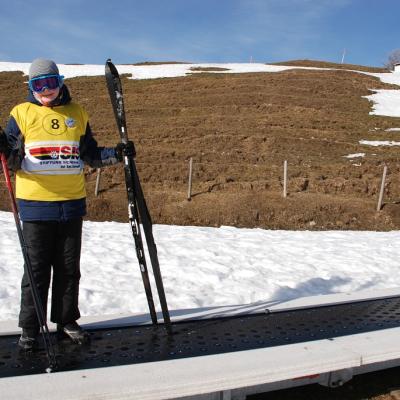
pixel 41 66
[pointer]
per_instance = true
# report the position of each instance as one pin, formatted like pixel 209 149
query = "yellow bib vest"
pixel 51 169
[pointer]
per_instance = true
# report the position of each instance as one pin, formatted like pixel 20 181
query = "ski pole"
pixel 28 268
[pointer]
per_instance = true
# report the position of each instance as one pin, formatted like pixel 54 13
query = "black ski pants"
pixel 52 245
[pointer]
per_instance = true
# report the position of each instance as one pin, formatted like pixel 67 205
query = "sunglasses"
pixel 46 82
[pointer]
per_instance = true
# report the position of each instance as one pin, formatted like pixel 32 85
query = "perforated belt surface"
pixel 146 343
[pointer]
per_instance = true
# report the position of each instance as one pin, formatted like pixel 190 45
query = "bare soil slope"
pixel 239 129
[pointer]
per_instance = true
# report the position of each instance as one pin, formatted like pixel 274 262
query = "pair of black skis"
pixel 137 207
pixel 138 212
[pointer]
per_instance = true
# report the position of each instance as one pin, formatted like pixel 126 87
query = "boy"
pixel 47 140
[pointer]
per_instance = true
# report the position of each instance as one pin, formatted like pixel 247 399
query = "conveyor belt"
pixel 146 343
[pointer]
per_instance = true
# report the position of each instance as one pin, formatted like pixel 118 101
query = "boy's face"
pixel 47 96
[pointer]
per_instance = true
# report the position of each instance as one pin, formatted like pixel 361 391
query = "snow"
pixel 206 267
pixel 355 155
pixel 386 102
pixel 376 143
pixel 150 71
pixel 392 78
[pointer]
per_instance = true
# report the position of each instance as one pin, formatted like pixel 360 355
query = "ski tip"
pixel 110 64
pixel 110 68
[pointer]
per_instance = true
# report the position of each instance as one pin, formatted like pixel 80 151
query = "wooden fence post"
pixel 285 178
pixel 96 190
pixel 379 207
pixel 189 195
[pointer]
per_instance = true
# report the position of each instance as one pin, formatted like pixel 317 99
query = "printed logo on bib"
pixel 54 124
pixel 64 152
pixel 70 122
pixel 52 158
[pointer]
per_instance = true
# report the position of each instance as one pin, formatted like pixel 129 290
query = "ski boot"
pixel 29 339
pixel 74 332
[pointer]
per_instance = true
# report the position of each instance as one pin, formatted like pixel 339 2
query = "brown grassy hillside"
pixel 239 129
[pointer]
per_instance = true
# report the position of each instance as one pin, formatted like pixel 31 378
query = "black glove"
pixel 125 149
pixel 3 142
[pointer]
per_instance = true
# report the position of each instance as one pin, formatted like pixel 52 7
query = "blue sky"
pixel 89 32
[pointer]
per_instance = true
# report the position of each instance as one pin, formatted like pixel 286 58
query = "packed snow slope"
pixel 207 267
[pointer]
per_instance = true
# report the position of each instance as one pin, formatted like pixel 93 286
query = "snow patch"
pixel 355 155
pixel 379 143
